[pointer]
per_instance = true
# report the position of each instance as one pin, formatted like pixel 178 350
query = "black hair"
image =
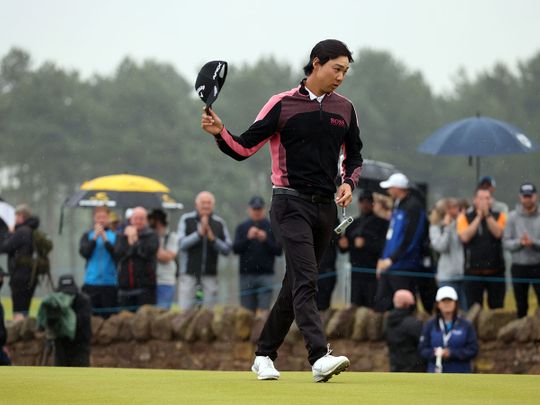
pixel 326 50
pixel 365 195
pixel 159 216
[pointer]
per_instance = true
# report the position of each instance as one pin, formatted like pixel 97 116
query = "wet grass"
pixel 47 385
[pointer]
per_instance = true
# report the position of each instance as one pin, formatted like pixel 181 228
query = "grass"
pixel 47 385
pixel 8 307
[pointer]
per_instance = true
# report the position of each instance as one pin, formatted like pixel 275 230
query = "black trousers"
pixel 304 229
pixel 102 296
pixel 22 291
pixel 427 289
pixel 71 354
pixel 496 289
pixel 363 289
pixel 521 290
pixel 387 285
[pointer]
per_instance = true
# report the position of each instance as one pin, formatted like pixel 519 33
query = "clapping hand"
pixel 359 242
pixel 447 219
pixel 252 232
pixel 343 242
pixel 206 229
pixel 526 241
pixel 131 233
pixel 99 230
pixel 256 233
pixel 261 235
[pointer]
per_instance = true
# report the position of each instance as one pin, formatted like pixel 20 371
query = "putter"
pixel 345 222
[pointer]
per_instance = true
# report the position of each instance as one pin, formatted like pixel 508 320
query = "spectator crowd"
pixel 450 258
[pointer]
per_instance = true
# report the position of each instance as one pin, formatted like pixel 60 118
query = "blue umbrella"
pixel 478 136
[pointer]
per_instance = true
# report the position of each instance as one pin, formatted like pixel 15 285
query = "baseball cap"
pixel 256 202
pixel 398 180
pixel 66 284
pixel 446 292
pixel 487 181
pixel 210 80
pixel 527 189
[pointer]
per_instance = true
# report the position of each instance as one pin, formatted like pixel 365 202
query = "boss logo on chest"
pixel 336 122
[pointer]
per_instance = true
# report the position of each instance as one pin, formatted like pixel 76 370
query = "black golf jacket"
pixel 306 138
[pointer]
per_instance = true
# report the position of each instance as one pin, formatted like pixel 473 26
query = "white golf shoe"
pixel 329 365
pixel 264 367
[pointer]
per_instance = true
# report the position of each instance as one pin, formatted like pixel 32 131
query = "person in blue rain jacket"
pixel 100 278
pixel 448 342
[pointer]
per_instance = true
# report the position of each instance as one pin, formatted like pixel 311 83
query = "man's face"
pixel 394 192
pixel 101 217
pixel 330 75
pixel 19 219
pixel 158 226
pixel 204 204
pixel 256 214
pixel 528 201
pixel 139 219
pixel 453 210
pixel 483 199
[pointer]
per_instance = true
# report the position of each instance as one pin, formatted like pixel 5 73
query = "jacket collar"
pixel 302 89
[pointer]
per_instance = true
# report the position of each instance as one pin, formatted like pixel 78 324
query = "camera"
pixel 343 225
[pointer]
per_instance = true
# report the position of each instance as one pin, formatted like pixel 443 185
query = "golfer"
pixel 307 127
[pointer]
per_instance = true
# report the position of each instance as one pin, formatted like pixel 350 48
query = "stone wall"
pixel 223 340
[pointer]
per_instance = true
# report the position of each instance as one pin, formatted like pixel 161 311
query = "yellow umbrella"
pixel 125 182
pixel 123 191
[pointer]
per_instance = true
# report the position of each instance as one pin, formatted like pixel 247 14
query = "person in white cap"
pixel 404 239
pixel 448 342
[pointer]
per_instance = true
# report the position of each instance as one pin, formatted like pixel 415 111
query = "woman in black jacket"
pixel 19 247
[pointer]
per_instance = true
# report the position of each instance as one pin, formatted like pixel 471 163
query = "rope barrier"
pixel 322 276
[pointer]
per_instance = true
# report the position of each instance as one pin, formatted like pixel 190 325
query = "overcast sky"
pixel 435 37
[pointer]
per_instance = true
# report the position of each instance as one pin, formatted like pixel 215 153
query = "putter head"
pixel 340 229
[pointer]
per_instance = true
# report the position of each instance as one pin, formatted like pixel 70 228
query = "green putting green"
pixel 47 385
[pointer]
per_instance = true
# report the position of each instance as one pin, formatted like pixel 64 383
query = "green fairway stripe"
pixel 47 385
